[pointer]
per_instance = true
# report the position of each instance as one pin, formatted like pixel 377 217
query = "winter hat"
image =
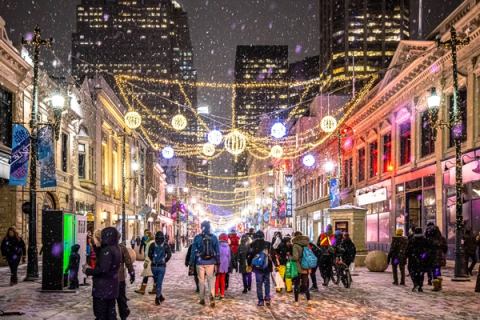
pixel 399 232
pixel 223 237
pixel 159 237
pixel 259 235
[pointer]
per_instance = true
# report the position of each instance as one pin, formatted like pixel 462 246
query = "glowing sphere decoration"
pixel 278 130
pixel 328 124
pixel 208 149
pixel 168 152
pixel 215 137
pixel 276 152
pixel 235 142
pixel 133 120
pixel 308 160
pixel 179 122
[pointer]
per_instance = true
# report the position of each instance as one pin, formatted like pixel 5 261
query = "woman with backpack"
pixel 261 262
pixel 223 266
pixel 305 260
pixel 159 253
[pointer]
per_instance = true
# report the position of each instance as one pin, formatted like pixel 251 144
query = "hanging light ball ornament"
pixel 308 160
pixel 276 152
pixel 208 149
pixel 278 130
pixel 235 142
pixel 133 120
pixel 179 122
pixel 328 124
pixel 168 152
pixel 215 137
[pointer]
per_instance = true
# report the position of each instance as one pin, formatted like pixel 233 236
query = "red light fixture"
pixel 390 168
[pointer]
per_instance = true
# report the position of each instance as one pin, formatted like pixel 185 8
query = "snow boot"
pixel 142 289
pixel 154 290
pixel 437 284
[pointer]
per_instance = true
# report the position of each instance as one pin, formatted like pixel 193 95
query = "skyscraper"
pixel 258 64
pixel 300 97
pixel 359 38
pixel 145 38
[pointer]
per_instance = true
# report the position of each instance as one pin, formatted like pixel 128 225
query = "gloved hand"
pixel 132 278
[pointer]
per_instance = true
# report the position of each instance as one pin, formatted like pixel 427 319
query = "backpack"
pixel 309 260
pixel 260 260
pixel 207 252
pixel 158 255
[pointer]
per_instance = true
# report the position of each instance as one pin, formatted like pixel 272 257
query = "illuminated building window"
pixel 427 135
pixel 405 135
pixel 373 161
pixel 387 153
pixel 361 164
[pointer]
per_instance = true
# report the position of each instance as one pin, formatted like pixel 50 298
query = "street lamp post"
pixel 32 264
pixel 454 122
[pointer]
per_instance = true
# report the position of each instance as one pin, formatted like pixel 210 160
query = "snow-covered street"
pixel 371 297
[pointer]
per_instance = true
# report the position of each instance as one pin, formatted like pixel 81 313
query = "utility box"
pixel 53 250
pixel 351 219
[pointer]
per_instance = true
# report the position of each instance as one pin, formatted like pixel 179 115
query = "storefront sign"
pixel 371 197
pixel 20 156
pixel 289 184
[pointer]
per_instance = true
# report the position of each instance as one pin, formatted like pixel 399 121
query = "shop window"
pixel 462 107
pixel 6 108
pixel 64 152
pixel 387 164
pixel 400 213
pixel 373 161
pixel 405 144
pixel 384 227
pixel 429 206
pixel 361 164
pixel 81 161
pixel 347 173
pixel 320 186
pixel 372 228
pixel 427 137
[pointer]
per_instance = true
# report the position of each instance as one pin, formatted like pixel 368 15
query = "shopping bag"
pixel 279 284
pixel 292 270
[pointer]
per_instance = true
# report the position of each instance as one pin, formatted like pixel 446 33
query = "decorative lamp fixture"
pixel 215 137
pixel 135 166
pixel 235 142
pixel 433 101
pixel 278 130
pixel 168 152
pixel 170 189
pixel 208 149
pixel 329 166
pixel 390 167
pixel 179 122
pixel 58 101
pixel 308 160
pixel 133 120
pixel 328 124
pixel 245 183
pixel 276 152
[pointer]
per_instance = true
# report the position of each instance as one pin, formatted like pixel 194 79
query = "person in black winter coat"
pixel 105 287
pixel 262 276
pixel 349 251
pixel 419 255
pixel 13 250
pixel 73 267
pixel 192 269
pixel 438 253
pixel 397 256
pixel 470 244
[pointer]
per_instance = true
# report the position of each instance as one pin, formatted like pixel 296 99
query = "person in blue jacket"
pixel 205 255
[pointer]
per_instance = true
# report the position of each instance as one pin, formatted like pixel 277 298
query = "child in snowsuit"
pixel 73 267
pixel 223 266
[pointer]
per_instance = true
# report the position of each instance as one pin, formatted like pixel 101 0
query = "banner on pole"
pixel 289 204
pixel 334 193
pixel 46 157
pixel 20 156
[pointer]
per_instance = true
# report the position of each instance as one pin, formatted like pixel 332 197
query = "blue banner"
pixel 46 157
pixel 20 156
pixel 334 193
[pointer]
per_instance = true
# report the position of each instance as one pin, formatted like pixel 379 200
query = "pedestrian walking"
pixel 13 250
pixel 349 251
pixel 313 272
pixel 192 270
pixel 299 255
pixel 439 248
pixel 326 243
pixel 419 256
pixel 105 275
pixel 470 245
pixel 133 242
pixel 234 242
pixel 261 262
pixel 126 262
pixel 243 267
pixel 205 254
pixel 147 237
pixel 159 254
pixel 147 269
pixel 282 255
pixel 73 267
pixel 225 256
pixel 397 256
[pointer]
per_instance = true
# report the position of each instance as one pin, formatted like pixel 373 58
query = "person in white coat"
pixel 147 270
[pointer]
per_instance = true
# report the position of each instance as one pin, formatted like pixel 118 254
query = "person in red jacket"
pixel 234 242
